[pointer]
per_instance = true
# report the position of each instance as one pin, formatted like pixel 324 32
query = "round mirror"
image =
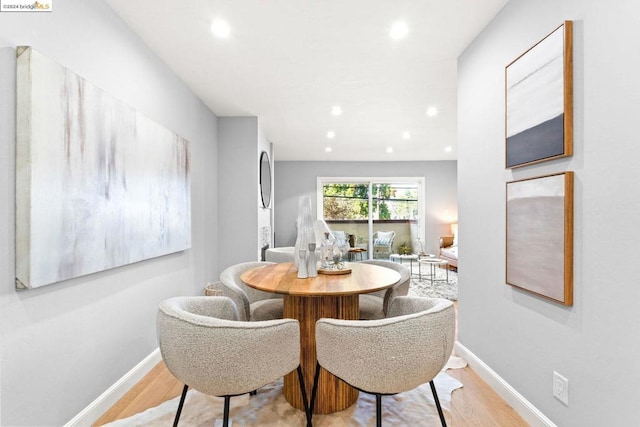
pixel 265 179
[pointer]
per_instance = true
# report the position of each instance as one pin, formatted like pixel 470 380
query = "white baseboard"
pixel 522 406
pixel 106 400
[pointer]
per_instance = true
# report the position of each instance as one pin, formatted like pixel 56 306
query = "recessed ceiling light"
pixel 406 135
pixel 331 134
pixel 336 110
pixel 399 30
pixel 448 149
pixel 220 28
pixel 328 149
pixel 389 149
pixel 432 111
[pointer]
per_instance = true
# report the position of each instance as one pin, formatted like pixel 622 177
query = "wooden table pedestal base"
pixel 333 394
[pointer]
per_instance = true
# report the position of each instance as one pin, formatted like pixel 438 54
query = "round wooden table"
pixel 334 296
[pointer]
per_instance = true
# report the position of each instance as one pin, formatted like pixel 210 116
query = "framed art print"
pixel 540 236
pixel 539 101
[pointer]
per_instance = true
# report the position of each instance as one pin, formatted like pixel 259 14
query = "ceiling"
pixel 289 62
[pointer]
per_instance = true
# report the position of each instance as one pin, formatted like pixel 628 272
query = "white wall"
pixel 295 179
pixel 524 338
pixel 65 344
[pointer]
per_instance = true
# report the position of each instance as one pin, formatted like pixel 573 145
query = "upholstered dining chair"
pixel 280 254
pixel 252 304
pixel 392 355
pixel 376 304
pixel 206 347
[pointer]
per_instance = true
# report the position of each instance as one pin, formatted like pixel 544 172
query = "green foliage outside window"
pixel 351 201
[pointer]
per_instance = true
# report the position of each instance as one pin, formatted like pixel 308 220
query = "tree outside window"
pixel 351 201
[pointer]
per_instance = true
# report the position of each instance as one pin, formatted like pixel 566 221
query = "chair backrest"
pixel 280 254
pixel 401 288
pixel 384 238
pixel 204 347
pixel 231 275
pixel 389 355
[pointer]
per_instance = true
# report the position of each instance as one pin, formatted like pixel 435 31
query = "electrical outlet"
pixel 561 388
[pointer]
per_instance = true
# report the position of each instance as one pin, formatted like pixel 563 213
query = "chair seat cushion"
pixel 267 309
pixel 371 307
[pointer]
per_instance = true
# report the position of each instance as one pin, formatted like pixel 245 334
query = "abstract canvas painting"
pixel 539 101
pixel 540 236
pixel 98 184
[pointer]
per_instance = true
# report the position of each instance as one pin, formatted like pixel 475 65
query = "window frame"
pixel 420 181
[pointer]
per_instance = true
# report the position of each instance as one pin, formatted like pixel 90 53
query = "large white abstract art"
pixel 98 185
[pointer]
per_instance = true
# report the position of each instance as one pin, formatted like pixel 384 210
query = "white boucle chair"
pixel 376 304
pixel 204 346
pixel 388 356
pixel 252 304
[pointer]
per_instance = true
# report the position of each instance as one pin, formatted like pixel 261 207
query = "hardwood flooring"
pixel 475 404
pixel 158 386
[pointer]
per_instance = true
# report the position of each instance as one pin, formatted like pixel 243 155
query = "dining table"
pixel 333 293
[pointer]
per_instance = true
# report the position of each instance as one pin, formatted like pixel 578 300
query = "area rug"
pixel 269 408
pixel 439 288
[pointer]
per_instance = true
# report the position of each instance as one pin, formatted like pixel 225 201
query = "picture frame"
pixel 539 236
pixel 539 101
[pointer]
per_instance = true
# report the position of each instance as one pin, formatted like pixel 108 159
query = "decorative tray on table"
pixel 334 271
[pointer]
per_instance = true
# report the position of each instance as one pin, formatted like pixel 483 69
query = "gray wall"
pixel 239 204
pixel 295 179
pixel 65 344
pixel 237 138
pixel 524 338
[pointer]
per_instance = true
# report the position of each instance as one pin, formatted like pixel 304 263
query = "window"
pixel 361 207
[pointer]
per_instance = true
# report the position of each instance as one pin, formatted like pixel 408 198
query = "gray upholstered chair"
pixel 204 346
pixel 376 304
pixel 252 304
pixel 388 356
pixel 280 254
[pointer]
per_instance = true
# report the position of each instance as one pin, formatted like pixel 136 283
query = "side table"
pixel 402 258
pixel 354 252
pixel 432 263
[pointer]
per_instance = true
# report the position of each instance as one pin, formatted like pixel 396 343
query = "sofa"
pixel 449 250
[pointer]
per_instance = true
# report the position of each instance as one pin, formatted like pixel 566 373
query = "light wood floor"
pixel 475 404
